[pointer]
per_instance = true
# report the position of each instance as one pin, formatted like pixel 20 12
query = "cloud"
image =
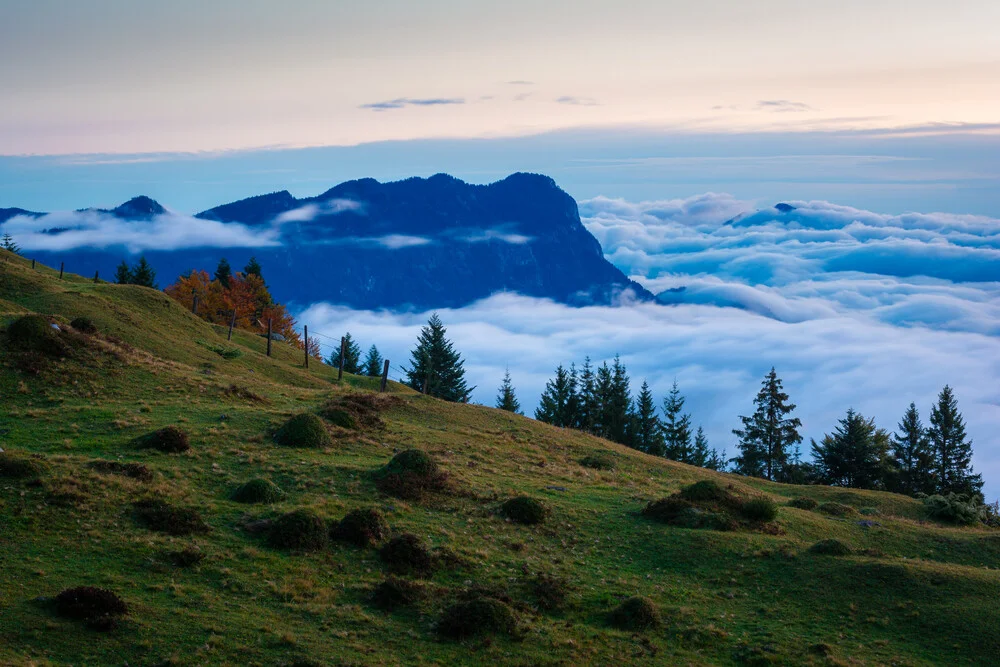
pixel 520 82
pixel 577 101
pixel 310 212
pixel 401 102
pixel 171 231
pixel 783 106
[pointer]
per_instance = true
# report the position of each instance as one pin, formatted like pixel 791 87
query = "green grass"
pixel 911 592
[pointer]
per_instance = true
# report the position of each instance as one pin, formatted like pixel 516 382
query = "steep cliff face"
pixel 417 243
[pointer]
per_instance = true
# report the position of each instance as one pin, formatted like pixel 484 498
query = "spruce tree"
pixel 854 455
pixel 951 453
pixel 223 273
pixel 123 274
pixel 588 411
pixel 253 268
pixel 603 388
pixel 373 363
pixel 143 274
pixel 705 456
pixel 619 408
pixel 768 433
pixel 912 456
pixel 352 356
pixel 7 243
pixel 676 428
pixel 553 407
pixel 647 432
pixel 436 364
pixel 506 397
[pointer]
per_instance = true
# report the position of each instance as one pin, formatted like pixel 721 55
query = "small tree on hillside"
pixel 352 356
pixel 7 243
pixel 912 456
pixel 253 268
pixel 951 453
pixel 855 455
pixel 223 273
pixel 676 427
pixel 647 431
pixel 556 403
pixel 373 363
pixel 436 365
pixel 506 396
pixel 123 274
pixel 143 274
pixel 705 456
pixel 588 404
pixel 768 433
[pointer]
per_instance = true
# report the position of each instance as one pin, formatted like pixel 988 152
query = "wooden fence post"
pixel 32 265
pixel 269 336
pixel 96 274
pixel 306 330
pixel 232 323
pixel 62 265
pixel 385 375
pixel 340 370
pixel 194 304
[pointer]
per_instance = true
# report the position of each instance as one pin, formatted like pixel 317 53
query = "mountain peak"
pixel 138 208
pixel 784 208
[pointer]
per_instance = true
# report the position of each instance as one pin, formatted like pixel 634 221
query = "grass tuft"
pixel 304 430
pixel 830 547
pixel 407 554
pixel 298 530
pixel 410 475
pixel 394 593
pixel 478 616
pixel 257 491
pixel 361 527
pixel 169 440
pixel 635 614
pixel 803 503
pixel 524 510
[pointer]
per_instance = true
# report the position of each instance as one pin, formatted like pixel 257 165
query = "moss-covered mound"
pixel 136 471
pixel 524 510
pixel 358 410
pixel 635 614
pixel 598 462
pixel 410 475
pixel 478 616
pixel 186 557
pixel 836 509
pixel 394 593
pixel 362 527
pixel 17 466
pixel 803 503
pixel 169 440
pixel 162 517
pixel 89 603
pixel 830 547
pixel 675 511
pixel 84 325
pixel 550 590
pixel 407 554
pixel 35 333
pixel 257 491
pixel 706 504
pixel 299 530
pixel 759 509
pixel 704 491
pixel 304 430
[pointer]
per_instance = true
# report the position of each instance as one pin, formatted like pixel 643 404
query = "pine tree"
pixel 854 455
pixel 223 273
pixel 676 428
pixel 951 453
pixel 588 411
pixel 911 455
pixel 352 356
pixel 434 363
pixel 143 274
pixel 373 363
pixel 553 406
pixel 253 268
pixel 618 409
pixel 123 274
pixel 7 243
pixel 603 388
pixel 768 433
pixel 709 457
pixel 506 396
pixel 647 430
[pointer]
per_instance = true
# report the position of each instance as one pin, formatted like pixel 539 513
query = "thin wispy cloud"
pixel 577 101
pixel 401 102
pixel 783 106
pixel 520 82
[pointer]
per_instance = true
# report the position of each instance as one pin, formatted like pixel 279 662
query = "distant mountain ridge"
pixel 418 243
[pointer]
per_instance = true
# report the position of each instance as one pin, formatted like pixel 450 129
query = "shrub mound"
pixel 394 593
pixel 257 491
pixel 84 325
pixel 162 517
pixel 409 475
pixel 407 554
pixel 98 606
pixel 704 491
pixel 954 508
pixel 803 503
pixel 303 430
pixel 14 466
pixel 187 557
pixel 836 509
pixel 550 591
pixel 339 417
pixel 635 613
pixel 362 527
pixel 299 530
pixel 478 616
pixel 35 333
pixel 169 439
pixel 675 511
pixel 136 471
pixel 524 510
pixel 598 462
pixel 760 509
pixel 830 547
pixel 358 409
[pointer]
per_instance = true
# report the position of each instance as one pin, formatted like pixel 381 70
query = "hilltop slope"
pixel 909 593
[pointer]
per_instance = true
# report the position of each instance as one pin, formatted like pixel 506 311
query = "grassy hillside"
pixel 909 592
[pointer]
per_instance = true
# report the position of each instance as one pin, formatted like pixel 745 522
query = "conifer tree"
pixel 951 453
pixel 553 407
pixel 253 268
pixel 143 274
pixel 705 456
pixel 676 428
pixel 224 273
pixel 506 396
pixel 603 387
pixel 436 364
pixel 588 411
pixel 352 356
pixel 647 430
pixel 854 455
pixel 616 402
pixel 7 243
pixel 911 455
pixel 768 433
pixel 123 274
pixel 373 363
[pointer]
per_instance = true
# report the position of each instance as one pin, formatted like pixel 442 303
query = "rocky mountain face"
pixel 418 243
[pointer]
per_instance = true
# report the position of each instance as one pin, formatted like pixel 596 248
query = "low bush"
pixel 303 430
pixel 339 417
pixel 84 325
pixel 524 510
pixel 803 503
pixel 666 510
pixel 478 616
pixel 299 530
pixel 98 606
pixel 136 471
pixel 675 511
pixel 954 508
pixel 760 509
pixel 407 554
pixel 635 614
pixel 550 591
pixel 598 462
pixel 361 527
pixel 169 439
pixel 358 409
pixel 15 466
pixel 836 509
pixel 704 491
pixel 830 547
pixel 257 491
pixel 410 475
pixel 395 592
pixel 162 517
